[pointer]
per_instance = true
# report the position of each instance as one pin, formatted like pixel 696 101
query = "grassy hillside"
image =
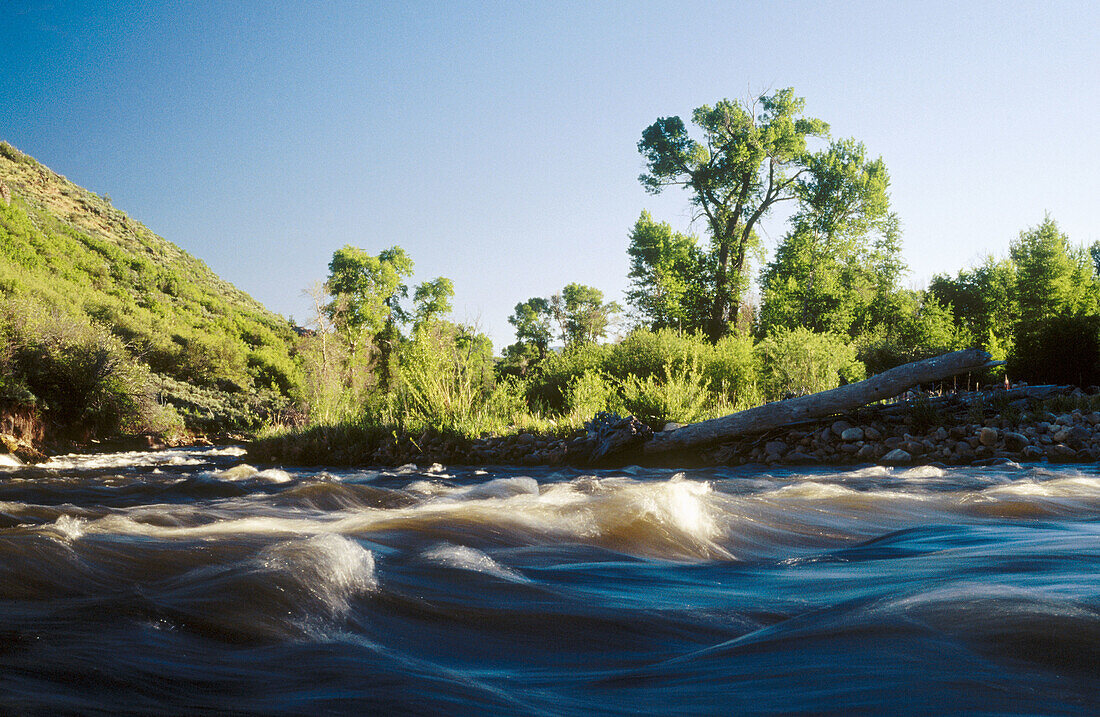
pixel 69 253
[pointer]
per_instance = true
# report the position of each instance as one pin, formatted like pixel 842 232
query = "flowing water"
pixel 187 581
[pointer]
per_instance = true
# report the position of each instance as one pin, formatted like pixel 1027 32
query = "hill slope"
pixel 70 251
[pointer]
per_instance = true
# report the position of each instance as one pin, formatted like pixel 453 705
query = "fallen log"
pixel 818 405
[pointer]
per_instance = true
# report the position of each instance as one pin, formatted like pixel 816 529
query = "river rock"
pixel 1015 441
pixel 839 427
pixel 1061 453
pixel 775 449
pixel 872 434
pixel 852 434
pixel 988 436
pixel 1077 436
pixel 896 457
pixel 1032 453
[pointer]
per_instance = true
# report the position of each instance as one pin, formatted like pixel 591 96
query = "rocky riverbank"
pixel 957 429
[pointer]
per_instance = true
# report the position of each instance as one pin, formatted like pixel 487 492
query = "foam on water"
pixel 466 558
pixel 237 472
pixel 332 568
pixel 1070 487
pixel 232 451
pixel 129 459
pixel 68 527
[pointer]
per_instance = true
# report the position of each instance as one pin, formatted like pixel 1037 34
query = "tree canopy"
pixel 750 157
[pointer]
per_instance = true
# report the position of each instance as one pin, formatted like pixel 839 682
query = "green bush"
pixel 682 394
pixel 79 374
pixel 548 388
pixel 1062 349
pixel 799 362
pixel 590 393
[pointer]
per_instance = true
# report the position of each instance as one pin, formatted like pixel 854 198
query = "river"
pixel 186 581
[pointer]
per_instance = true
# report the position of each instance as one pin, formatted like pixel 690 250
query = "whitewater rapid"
pixel 190 580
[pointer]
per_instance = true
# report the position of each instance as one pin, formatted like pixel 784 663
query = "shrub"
pixel 590 393
pixel 79 373
pixel 1063 349
pixel 548 389
pixel 682 394
pixel 799 362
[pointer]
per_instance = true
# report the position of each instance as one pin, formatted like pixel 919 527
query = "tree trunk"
pixel 819 405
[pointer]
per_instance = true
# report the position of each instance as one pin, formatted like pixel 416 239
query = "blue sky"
pixel 496 142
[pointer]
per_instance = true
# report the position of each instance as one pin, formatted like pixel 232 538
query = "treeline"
pixel 831 306
pixel 95 307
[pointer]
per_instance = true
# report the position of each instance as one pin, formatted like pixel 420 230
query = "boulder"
pixel 896 457
pixel 851 434
pixel 1015 441
pixel 988 436
pixel 775 449
pixel 839 427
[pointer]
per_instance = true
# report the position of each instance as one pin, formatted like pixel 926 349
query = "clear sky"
pixel 496 142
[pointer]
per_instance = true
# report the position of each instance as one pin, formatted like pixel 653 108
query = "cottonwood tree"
pixel 582 315
pixel 532 321
pixel 841 258
pixel 366 290
pixel 749 159
pixel 579 312
pixel 669 276
pixel 432 300
pixel 366 304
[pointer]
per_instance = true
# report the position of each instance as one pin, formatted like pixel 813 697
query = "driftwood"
pixel 1018 396
pixel 819 405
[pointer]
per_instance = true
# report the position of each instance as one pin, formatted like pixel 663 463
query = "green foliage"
pixel 582 314
pixel 432 299
pixel 682 394
pixel 446 384
pixel 532 320
pixel 366 289
pixel 1063 349
pixel 213 411
pixel 837 268
pixel 68 250
pixel 798 361
pixel 1053 278
pixel 590 393
pixel 78 374
pixel 922 328
pixel 13 154
pixel 747 160
pixel 669 276
pixel 983 302
pixel 548 388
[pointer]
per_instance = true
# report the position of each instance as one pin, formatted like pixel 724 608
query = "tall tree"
pixel 366 292
pixel 367 289
pixel 432 299
pixel 1053 278
pixel 983 301
pixel 749 159
pixel 841 257
pixel 532 322
pixel 669 276
pixel 582 314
